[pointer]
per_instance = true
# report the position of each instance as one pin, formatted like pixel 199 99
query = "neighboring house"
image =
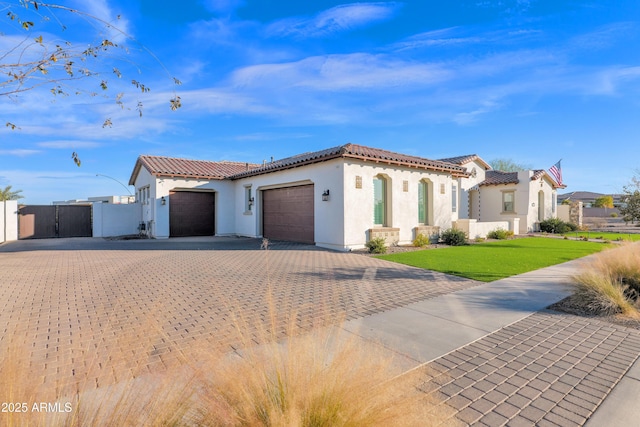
pixel 523 199
pixel 115 200
pixel 338 198
pixel 588 198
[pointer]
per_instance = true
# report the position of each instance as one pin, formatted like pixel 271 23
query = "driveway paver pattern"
pixel 94 310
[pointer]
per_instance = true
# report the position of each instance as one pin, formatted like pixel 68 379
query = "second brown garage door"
pixel 287 214
pixel 191 213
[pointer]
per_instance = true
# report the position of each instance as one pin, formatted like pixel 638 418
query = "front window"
pixel 508 202
pixel 248 199
pixel 423 200
pixel 379 201
pixel 454 198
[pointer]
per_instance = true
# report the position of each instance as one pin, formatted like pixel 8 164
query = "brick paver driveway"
pixel 92 309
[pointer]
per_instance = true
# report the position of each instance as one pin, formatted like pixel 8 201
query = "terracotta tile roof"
pixel 356 152
pixel 537 174
pixel 184 168
pixel 499 177
pixel 461 160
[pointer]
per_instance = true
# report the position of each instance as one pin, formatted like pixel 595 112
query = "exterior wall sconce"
pixel 251 199
pixel 163 201
pixel 325 196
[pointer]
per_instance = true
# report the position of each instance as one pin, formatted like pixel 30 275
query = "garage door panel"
pixel 191 213
pixel 287 214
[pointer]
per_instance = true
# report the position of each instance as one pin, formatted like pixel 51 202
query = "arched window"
pixel 541 205
pixel 380 201
pixel 424 200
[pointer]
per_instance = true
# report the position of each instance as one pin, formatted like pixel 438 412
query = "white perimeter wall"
pixel 116 220
pixel 8 221
pixel 358 212
pixel 328 219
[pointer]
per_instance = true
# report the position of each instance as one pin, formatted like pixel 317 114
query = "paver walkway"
pixel 549 369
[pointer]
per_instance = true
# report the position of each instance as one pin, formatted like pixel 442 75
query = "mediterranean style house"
pixel 338 198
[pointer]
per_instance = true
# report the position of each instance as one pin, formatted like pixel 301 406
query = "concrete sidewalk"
pixel 500 358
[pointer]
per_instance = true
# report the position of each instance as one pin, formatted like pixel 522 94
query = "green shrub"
pixel 500 234
pixel 614 215
pixel 421 240
pixel 454 237
pixel 377 245
pixel 557 226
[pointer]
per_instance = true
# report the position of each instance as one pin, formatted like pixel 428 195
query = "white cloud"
pixel 358 71
pixel 603 37
pixel 337 19
pixel 610 80
pixel 19 152
pixel 68 144
pixel 223 6
pixel 118 28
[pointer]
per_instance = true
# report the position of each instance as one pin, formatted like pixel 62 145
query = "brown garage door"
pixel 287 214
pixel 191 213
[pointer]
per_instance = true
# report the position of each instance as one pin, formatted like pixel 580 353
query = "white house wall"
pixel 550 196
pixel 358 213
pixel 466 183
pixel 224 202
pixel 328 219
pixel 491 204
pixel 156 215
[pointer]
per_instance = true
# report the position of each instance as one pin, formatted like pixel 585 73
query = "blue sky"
pixel 534 81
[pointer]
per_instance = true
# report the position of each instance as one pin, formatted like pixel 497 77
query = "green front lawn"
pixel 605 236
pixel 496 260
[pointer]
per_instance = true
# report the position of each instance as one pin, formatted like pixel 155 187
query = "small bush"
pixel 479 239
pixel 421 240
pixel 614 215
pixel 557 226
pixel 377 245
pixel 454 237
pixel 500 234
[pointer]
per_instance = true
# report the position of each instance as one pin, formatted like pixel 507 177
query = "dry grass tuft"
pixel 320 379
pixel 611 284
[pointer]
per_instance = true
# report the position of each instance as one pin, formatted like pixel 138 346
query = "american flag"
pixel 556 172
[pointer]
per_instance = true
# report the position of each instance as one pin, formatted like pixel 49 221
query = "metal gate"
pixel 45 222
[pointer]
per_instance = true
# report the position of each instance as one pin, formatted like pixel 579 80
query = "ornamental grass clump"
pixel 324 378
pixel 421 241
pixel 611 283
pixel 377 245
